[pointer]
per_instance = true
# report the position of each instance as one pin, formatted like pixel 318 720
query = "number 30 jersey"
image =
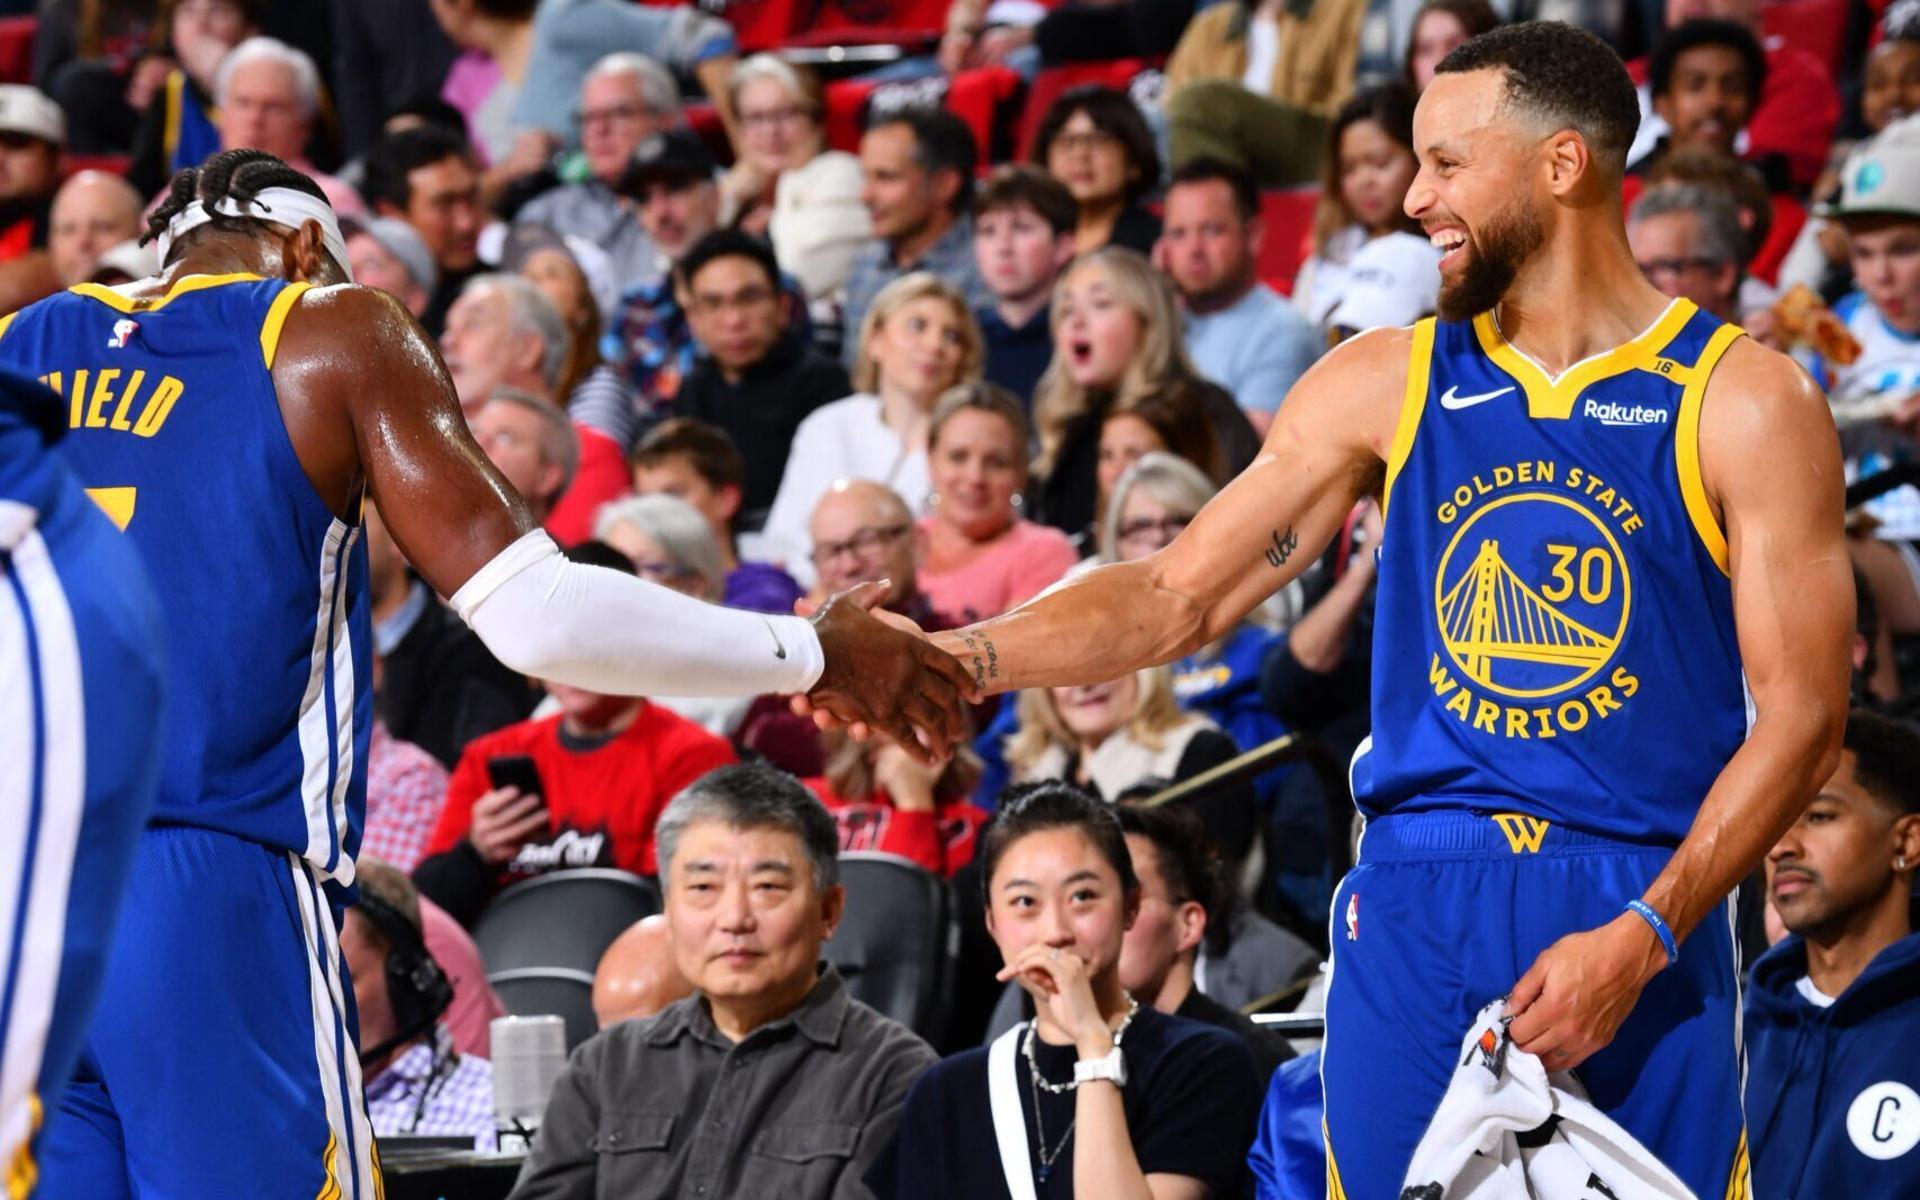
pixel 1554 629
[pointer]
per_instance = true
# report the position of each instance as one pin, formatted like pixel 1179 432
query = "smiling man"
pixel 769 1080
pixel 1834 1009
pixel 1558 799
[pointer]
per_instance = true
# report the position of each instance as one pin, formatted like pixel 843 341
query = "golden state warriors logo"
pixel 1550 625
pixel 1531 600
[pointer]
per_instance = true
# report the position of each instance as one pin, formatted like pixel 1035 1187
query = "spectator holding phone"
pixel 581 788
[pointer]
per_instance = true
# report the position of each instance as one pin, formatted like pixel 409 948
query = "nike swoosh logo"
pixel 779 651
pixel 1453 400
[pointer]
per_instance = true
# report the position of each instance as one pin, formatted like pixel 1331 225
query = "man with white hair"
pixel 1687 240
pixel 625 99
pixel 269 95
pixel 92 213
pixel 503 332
pixel 532 443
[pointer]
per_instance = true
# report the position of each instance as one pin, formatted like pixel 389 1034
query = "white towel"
pixel 1506 1130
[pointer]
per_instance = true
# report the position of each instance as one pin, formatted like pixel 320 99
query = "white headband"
pixel 282 206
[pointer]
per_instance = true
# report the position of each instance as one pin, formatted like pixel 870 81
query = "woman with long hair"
pixel 1100 1096
pixel 1370 164
pixel 1117 342
pixel 918 339
pixel 983 557
pixel 1438 29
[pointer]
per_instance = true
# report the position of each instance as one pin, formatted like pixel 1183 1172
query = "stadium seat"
pixel 1817 26
pixel 758 24
pixel 16 49
pixel 1289 220
pixel 980 98
pixel 550 991
pixel 902 22
pixel 563 920
pixel 898 942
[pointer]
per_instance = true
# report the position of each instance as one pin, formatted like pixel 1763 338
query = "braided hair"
pixel 237 175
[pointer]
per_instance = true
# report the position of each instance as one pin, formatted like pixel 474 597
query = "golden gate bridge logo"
pixel 1534 637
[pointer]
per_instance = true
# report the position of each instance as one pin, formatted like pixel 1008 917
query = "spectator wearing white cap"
pixel 1241 333
pixel 1394 280
pixel 269 97
pixel 92 213
pixel 386 253
pixel 625 99
pixel 33 136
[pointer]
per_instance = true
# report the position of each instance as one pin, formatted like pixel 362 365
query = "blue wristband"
pixel 1644 911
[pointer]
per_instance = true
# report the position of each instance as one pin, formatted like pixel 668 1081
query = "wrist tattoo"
pixel 986 660
pixel 1284 544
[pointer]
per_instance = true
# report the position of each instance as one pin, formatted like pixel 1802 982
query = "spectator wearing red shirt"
pixel 607 766
pixel 882 799
pixel 1798 107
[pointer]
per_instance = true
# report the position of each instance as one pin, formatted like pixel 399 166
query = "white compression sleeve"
pixel 607 632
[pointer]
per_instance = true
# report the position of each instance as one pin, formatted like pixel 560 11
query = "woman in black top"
pixel 1114 1100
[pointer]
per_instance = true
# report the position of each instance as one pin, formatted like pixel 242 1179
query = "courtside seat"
pixel 550 992
pixel 898 942
pixel 564 920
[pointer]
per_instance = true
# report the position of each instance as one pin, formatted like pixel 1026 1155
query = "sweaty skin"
pixel 371 412
pixel 1770 462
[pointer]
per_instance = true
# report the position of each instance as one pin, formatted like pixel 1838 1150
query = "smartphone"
pixel 515 771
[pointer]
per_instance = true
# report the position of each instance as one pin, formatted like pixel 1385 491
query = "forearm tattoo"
pixel 985 659
pixel 1284 544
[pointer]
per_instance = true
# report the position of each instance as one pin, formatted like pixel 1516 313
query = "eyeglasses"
pixel 1162 529
pixel 1098 139
pixel 861 545
pixel 773 117
pixel 660 572
pixel 612 114
pixel 709 305
pixel 1670 268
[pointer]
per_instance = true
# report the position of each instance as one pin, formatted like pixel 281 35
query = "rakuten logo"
pixel 1621 414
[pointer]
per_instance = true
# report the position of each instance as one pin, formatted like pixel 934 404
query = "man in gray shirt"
pixel 769 1080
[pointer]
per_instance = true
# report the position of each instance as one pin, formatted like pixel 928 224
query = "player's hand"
pixel 1579 991
pixel 1058 981
pixel 887 677
pixel 503 820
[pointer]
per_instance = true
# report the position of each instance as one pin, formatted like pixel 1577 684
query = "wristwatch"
pixel 1113 1067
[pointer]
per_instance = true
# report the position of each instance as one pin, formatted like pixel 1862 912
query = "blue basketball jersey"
pixel 1554 632
pixel 176 432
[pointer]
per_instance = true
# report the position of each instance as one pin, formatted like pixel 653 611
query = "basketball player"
pixel 232 415
pixel 81 684
pixel 1605 512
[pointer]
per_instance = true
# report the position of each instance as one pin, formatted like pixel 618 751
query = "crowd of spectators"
pixel 719 338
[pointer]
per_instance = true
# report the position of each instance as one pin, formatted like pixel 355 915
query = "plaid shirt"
pixel 405 788
pixel 429 1089
pixel 649 340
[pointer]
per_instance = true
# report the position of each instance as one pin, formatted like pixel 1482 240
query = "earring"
pixel 1900 863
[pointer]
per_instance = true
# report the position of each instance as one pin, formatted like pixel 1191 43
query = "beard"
pixel 1494 257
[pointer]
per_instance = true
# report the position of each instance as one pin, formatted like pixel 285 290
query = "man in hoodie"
pixel 1833 1016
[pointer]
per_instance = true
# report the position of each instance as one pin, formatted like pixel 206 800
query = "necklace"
pixel 1036 1081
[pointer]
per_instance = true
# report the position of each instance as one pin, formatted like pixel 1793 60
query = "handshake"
pixel 884 674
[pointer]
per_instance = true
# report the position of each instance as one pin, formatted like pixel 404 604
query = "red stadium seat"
pixel 1048 85
pixel 1817 26
pixel 980 98
pixel 901 22
pixel 1288 217
pixel 846 112
pixel 112 164
pixel 759 24
pixel 16 49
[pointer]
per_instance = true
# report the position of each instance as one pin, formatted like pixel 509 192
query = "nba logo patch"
pixel 122 330
pixel 1353 917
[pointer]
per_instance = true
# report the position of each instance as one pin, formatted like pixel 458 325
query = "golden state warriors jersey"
pixel 175 429
pixel 1554 628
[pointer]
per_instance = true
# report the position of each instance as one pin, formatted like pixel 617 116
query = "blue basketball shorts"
pixel 1443 913
pixel 221 1060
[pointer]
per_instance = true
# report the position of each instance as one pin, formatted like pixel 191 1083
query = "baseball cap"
pixel 1392 280
pixel 674 154
pixel 397 238
pixel 31 111
pixel 1882 177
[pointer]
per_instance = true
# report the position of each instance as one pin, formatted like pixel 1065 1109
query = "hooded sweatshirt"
pixel 1833 1094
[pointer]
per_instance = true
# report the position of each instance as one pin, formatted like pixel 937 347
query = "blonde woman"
pixel 1110 737
pixel 918 340
pixel 1116 343
pixel 786 185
